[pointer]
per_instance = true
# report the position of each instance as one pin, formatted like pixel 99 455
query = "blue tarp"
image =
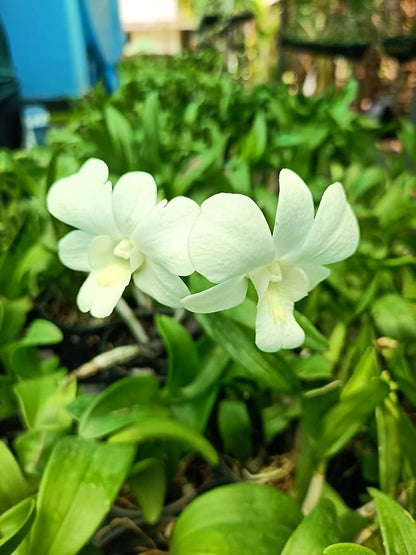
pixel 61 47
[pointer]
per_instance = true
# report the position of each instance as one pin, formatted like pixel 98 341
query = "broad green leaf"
pixel 183 359
pixel 34 446
pixel 399 364
pixel 124 402
pixel 317 530
pixel 344 420
pixel 212 369
pixel 313 367
pixel 14 312
pixel 397 526
pixel 313 337
pixel 256 364
pixel 78 486
pixel 151 110
pixel 394 317
pixel 8 404
pixel 235 428
pixel 79 405
pixel 367 368
pixel 160 427
pixel 235 519
pixel 43 400
pixel 194 402
pixel 255 142
pixel 350 521
pixel 238 173
pixel 41 332
pixel 277 417
pixel 147 481
pixel 407 436
pixel 121 135
pixel 15 524
pixel 348 549
pixel 194 170
pixel 389 446
pixel 13 486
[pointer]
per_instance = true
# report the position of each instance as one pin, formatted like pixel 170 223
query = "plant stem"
pixel 315 489
pixel 129 318
pixel 105 360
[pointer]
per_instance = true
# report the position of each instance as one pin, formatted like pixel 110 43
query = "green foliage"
pixel 205 527
pixel 348 393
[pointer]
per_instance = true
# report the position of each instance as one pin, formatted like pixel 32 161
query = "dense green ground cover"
pixel 329 425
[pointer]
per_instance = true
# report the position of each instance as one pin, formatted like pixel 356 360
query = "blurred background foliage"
pixel 341 407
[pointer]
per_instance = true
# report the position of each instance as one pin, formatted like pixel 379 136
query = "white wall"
pixel 147 10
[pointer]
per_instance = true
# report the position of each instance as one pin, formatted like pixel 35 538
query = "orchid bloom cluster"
pixel 125 233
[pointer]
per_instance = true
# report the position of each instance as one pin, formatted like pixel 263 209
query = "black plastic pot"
pixel 352 51
pixel 402 47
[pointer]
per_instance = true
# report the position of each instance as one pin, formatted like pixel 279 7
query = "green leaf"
pixel 80 482
pixel 348 549
pixel 147 481
pixel 151 428
pixel 367 368
pixel 151 110
pixel 193 403
pixel 235 428
pixel 394 317
pixel 314 339
pixel 213 367
pixel 124 402
pixel 397 526
pixel 389 446
pixel 317 530
pixel 256 364
pixel 407 436
pixel 34 446
pixel 41 332
pixel 43 400
pixel 238 173
pixel 194 170
pixel 7 396
pixel 13 486
pixel 13 316
pixel 15 524
pixel 345 418
pixel 255 142
pixel 121 135
pixel 183 359
pixel 350 521
pixel 236 519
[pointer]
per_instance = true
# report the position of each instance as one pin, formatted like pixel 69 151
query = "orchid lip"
pixel 123 249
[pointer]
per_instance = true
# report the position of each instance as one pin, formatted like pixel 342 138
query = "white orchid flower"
pixel 122 232
pixel 231 243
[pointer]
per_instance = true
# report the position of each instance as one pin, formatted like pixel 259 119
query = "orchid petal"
pixel 276 327
pixel 220 297
pixel 134 196
pixel 73 250
pixel 98 299
pixel 294 215
pixel 100 251
pixel 295 283
pixel 315 273
pixel 83 200
pixel 335 233
pixel 230 238
pixel 261 280
pixel 163 236
pixel 156 281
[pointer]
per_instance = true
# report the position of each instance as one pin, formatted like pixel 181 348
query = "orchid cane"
pixel 122 232
pixel 231 243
